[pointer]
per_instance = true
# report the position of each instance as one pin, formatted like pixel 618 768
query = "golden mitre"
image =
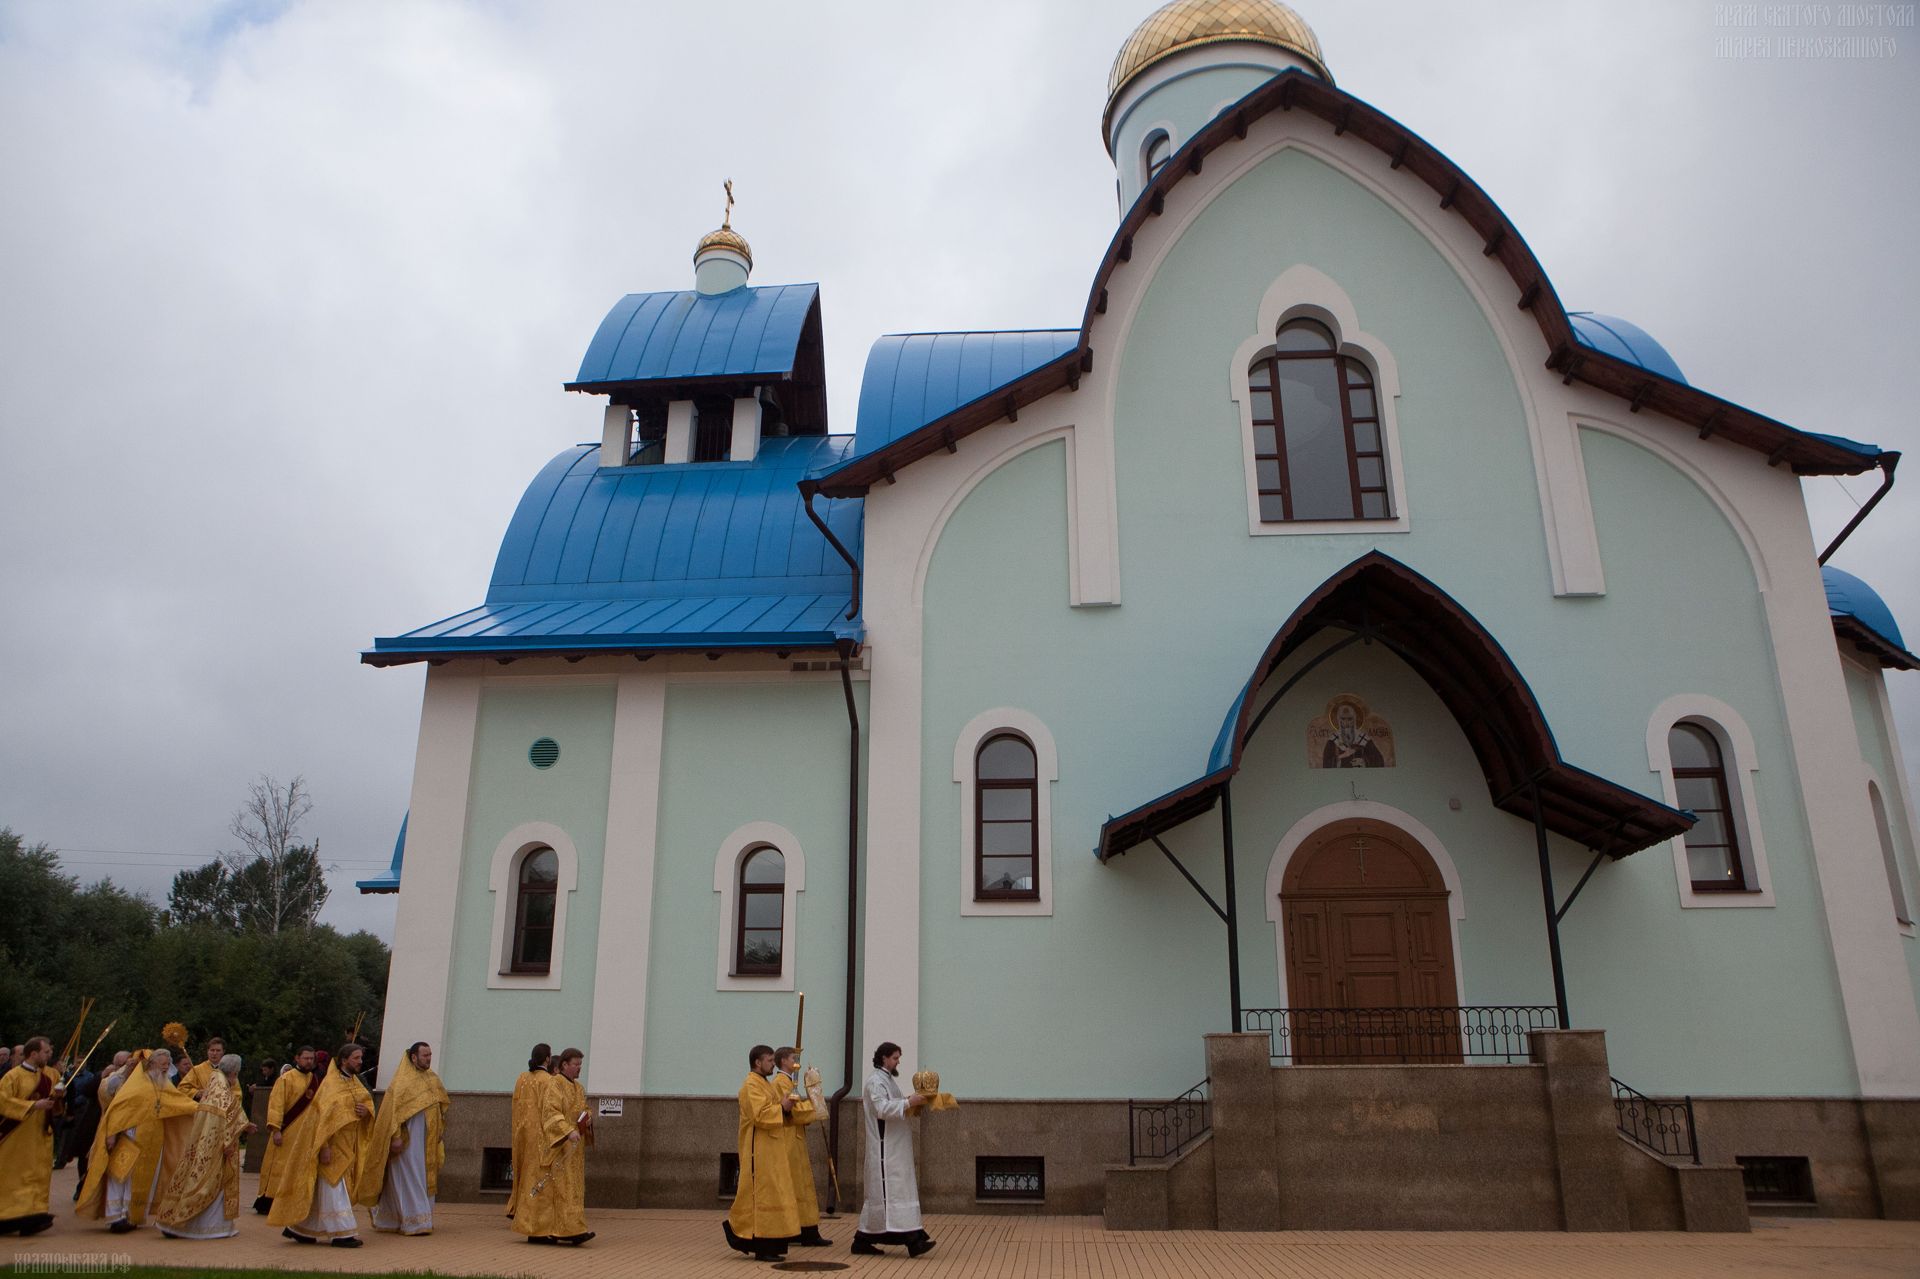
pixel 927 1084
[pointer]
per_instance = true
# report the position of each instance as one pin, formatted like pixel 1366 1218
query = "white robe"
pixel 404 1204
pixel 893 1189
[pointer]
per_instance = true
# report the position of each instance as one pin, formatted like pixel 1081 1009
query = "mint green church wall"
pixel 737 753
pixel 1129 969
pixel 1875 736
pixel 488 1030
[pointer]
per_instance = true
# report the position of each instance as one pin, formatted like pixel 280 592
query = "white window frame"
pixel 1303 293
pixel 966 749
pixel 503 880
pixel 726 882
pixel 1741 760
pixel 1163 129
pixel 1882 819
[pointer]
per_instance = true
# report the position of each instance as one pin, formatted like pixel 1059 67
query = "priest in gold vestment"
pixel 807 1110
pixel 142 1134
pixel 529 1092
pixel 202 1197
pixel 765 1218
pixel 290 1103
pixel 552 1205
pixel 194 1082
pixel 321 1160
pixel 400 1164
pixel 29 1093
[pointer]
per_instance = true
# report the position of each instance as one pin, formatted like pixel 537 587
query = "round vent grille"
pixel 544 753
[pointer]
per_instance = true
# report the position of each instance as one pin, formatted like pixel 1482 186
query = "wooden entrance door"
pixel 1369 949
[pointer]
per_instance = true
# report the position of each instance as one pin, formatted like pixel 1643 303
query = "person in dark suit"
pixel 83 1118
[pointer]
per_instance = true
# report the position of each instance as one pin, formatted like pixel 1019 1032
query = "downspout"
pixel 853 901
pixel 1887 462
pixel 807 490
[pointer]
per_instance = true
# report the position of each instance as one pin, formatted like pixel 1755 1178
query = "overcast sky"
pixel 288 292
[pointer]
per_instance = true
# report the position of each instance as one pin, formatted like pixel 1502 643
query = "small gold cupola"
pixel 722 260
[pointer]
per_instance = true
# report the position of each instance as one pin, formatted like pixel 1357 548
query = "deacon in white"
pixel 892 1210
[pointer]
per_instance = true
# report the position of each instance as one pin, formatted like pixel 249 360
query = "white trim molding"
pixel 1370 810
pixel 502 881
pixel 1007 719
pixel 1742 761
pixel 726 881
pixel 616 1046
pixel 1302 292
pixel 1901 885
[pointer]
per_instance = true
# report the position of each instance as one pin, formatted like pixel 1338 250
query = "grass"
pixel 175 1272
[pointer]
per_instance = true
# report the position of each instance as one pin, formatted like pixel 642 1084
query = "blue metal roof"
pixel 1849 597
pixel 912 379
pixel 665 337
pixel 695 555
pixel 388 881
pixel 1611 335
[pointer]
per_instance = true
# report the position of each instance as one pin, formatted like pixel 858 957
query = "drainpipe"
pixel 807 490
pixel 1887 462
pixel 847 652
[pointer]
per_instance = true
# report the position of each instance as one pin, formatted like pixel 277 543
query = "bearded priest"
pixel 400 1165
pixel 314 1196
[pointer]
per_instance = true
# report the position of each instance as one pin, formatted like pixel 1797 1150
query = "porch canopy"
pixel 1376 599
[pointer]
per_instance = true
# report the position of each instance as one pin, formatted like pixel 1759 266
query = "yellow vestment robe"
pixel 529 1094
pixel 335 1128
pixel 26 1152
pixel 412 1091
pixel 800 1161
pixel 286 1090
pixel 209 1165
pixel 553 1201
pixel 150 1121
pixel 763 1205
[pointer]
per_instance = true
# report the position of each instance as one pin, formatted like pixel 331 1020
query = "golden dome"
pixel 1185 24
pixel 724 238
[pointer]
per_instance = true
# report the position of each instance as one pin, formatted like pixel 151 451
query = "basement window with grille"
pixel 1009 1178
pixel 1777 1179
pixel 729 1174
pixel 496 1169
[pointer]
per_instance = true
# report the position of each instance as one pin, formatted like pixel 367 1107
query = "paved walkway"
pixel 476 1239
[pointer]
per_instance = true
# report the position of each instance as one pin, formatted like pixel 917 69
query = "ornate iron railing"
pixel 1664 1127
pixel 1417 1036
pixel 1162 1129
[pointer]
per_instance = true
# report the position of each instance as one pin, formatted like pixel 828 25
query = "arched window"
pixel 759 930
pixel 1155 154
pixel 1006 844
pixel 1700 786
pixel 1318 449
pixel 1901 910
pixel 533 909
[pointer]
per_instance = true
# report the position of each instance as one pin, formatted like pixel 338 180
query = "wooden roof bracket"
pixel 1195 159
pixel 1712 423
pixel 1126 249
pixel 1453 194
pixel 1158 204
pixel 1642 396
pixel 1494 241
pixel 1529 295
pixel 1013 409
pixel 1100 304
pixel 1400 156
pixel 946 438
pixel 1346 119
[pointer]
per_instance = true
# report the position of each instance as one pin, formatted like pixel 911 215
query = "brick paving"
pixel 475 1239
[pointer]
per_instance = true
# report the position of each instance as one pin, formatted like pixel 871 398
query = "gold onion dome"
pixel 1186 24
pixel 724 238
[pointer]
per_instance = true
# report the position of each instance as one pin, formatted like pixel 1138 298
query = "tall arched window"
pixel 759 931
pixel 1318 449
pixel 1156 153
pixel 533 911
pixel 1006 844
pixel 1901 910
pixel 1700 786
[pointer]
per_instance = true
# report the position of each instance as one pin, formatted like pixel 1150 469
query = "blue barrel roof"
pixel 1848 596
pixel 694 555
pixel 913 378
pixel 388 880
pixel 1625 340
pixel 664 337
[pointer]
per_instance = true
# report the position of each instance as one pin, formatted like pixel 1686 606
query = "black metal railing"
pixel 1664 1127
pixel 1162 1129
pixel 1415 1036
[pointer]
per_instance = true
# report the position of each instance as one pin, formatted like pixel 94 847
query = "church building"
pixel 1334 738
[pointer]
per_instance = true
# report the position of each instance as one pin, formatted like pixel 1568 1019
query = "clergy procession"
pixel 158 1138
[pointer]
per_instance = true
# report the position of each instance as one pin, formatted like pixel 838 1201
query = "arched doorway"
pixel 1369 949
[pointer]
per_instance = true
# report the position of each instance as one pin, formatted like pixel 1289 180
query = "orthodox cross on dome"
pixel 726 219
